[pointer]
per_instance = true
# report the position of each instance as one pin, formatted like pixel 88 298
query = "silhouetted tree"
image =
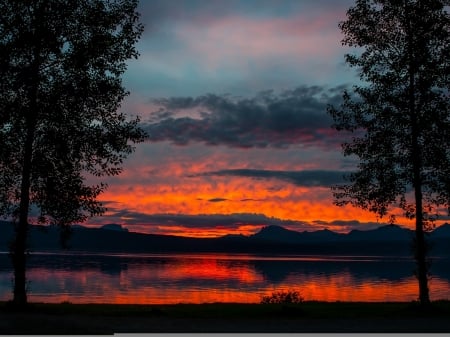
pixel 61 63
pixel 399 114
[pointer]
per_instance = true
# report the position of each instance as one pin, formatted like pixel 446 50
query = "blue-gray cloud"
pixel 267 120
pixel 158 14
pixel 309 178
pixel 206 221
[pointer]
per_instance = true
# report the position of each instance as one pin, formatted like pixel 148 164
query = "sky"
pixel 233 95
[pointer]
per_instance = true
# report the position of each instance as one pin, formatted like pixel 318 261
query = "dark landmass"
pixel 386 240
pixel 329 317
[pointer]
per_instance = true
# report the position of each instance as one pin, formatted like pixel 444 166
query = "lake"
pixel 206 278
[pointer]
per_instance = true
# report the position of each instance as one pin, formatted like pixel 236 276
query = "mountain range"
pixel 113 238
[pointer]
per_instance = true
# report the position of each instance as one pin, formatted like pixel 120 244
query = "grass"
pixel 238 310
pixel 308 316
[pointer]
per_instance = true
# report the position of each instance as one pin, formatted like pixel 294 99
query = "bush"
pixel 283 297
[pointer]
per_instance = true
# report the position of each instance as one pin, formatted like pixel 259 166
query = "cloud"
pixel 199 224
pixel 217 199
pixel 310 178
pixel 209 225
pixel 236 46
pixel 348 225
pixel 266 120
pixel 239 39
pixel 203 221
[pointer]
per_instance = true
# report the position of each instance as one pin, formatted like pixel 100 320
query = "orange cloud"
pixel 233 195
pixel 167 179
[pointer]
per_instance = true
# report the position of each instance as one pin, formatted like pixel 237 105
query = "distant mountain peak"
pixel 442 231
pixel 391 225
pixel 234 237
pixel 273 228
pixel 390 240
pixel 392 228
pixel 114 227
pixel 276 233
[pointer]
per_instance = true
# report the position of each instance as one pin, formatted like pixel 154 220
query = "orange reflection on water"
pixel 346 288
pixel 141 287
pixel 222 278
pixel 212 269
pixel 324 288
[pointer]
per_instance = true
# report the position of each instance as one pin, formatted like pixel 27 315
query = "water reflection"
pixel 218 278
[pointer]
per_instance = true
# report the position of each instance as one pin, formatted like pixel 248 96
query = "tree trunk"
pixel 421 252
pixel 19 249
pixel 420 249
pixel 420 246
pixel 19 263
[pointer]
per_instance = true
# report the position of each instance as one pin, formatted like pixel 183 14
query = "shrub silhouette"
pixel 283 297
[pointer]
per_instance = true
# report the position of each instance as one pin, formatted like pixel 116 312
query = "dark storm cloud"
pixel 267 120
pixel 206 221
pixel 312 178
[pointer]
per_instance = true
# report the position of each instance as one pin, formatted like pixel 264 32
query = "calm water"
pixel 202 278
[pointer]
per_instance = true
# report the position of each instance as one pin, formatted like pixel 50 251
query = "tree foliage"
pixel 283 297
pixel 400 113
pixel 61 66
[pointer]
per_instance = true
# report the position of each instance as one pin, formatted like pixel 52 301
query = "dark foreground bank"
pixel 220 317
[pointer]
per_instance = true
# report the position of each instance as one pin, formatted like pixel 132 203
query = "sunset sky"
pixel 233 95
